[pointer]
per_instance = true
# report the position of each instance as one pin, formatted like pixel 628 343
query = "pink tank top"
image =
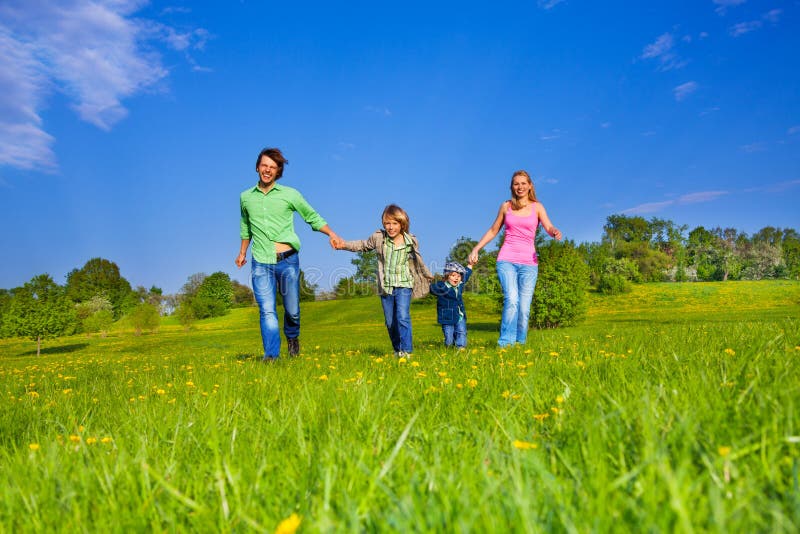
pixel 519 243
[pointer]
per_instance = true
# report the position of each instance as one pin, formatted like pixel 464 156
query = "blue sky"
pixel 129 128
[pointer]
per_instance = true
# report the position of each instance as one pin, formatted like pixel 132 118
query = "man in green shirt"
pixel 267 220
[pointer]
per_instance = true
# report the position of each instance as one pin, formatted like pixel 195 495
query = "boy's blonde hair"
pixel 395 212
pixel 531 194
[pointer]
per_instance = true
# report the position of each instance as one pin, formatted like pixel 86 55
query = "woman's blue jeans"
pixel 397 312
pixel 268 279
pixel 518 282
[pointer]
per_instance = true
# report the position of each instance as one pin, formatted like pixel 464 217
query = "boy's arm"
pixel 359 245
pixel 467 274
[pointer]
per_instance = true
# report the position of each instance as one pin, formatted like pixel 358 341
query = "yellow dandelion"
pixel 289 525
pixel 67 391
pixel 171 401
pixel 190 384
pixel 730 352
pixel 33 394
pixel 506 394
pixel 472 382
pixel 402 360
pixel 323 377
pixel 516 396
pixel 34 446
pixel 555 410
pixel 553 354
pixel 724 451
pixel 541 416
pixel 160 391
pixel 447 381
pixel 524 445
pixel 75 439
pixel 442 374
pixel 414 364
pixel 107 440
pixel 378 360
pixel 91 440
pixel 560 399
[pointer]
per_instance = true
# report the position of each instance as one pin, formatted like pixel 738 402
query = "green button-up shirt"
pixel 269 218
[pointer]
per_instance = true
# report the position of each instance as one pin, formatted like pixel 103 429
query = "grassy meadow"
pixel 673 408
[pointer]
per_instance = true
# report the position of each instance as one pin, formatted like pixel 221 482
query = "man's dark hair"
pixel 275 155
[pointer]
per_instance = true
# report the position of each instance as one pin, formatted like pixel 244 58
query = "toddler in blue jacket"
pixel 450 312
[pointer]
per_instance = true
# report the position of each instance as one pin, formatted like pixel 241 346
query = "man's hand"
pixel 241 259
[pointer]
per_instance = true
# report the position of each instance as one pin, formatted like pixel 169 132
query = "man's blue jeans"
pixel 397 312
pixel 518 282
pixel 455 333
pixel 268 279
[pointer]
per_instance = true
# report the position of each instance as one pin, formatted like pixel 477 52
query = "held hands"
pixel 337 243
pixel 472 259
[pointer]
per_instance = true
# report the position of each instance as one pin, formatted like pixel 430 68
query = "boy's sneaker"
pixel 403 354
pixel 293 345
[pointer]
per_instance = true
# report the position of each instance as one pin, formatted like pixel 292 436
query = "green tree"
pixel 366 263
pixel 214 297
pixel 39 310
pixel 308 291
pixel 560 296
pixel 99 321
pixel 185 315
pixel 145 316
pixel 86 311
pixel 242 295
pixel 101 277
pixel 484 273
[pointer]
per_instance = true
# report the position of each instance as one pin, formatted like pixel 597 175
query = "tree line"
pixel 632 250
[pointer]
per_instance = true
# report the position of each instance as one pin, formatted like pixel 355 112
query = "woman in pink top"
pixel 517 264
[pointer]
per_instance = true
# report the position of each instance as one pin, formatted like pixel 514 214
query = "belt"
pixel 283 255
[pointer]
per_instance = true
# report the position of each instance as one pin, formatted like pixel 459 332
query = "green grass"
pixel 673 408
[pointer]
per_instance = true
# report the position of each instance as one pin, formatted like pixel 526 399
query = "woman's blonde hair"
pixel 395 212
pixel 515 204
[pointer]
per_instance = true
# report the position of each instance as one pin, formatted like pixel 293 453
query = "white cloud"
pixel 759 146
pixel 690 198
pixel 663 50
pixel 793 130
pixel 723 5
pixel 684 90
pixel 772 15
pixel 386 112
pixel 94 52
pixel 548 4
pixel 551 136
pixel 744 27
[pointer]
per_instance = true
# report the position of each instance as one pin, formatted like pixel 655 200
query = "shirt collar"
pixel 255 189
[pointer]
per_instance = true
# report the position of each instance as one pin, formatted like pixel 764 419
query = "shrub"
pixel 145 316
pixel 99 321
pixel 560 297
pixel 613 284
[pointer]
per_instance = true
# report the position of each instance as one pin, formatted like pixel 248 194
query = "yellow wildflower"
pixel 34 446
pixel 724 451
pixel 414 364
pixel 401 360
pixel 730 352
pixel 289 525
pixel 91 440
pixel 560 399
pixel 323 377
pixel 106 440
pixel 541 416
pixel 506 394
pixel 524 445
pixel 75 439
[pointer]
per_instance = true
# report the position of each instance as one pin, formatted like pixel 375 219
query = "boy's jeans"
pixel 397 312
pixel 518 282
pixel 285 277
pixel 455 332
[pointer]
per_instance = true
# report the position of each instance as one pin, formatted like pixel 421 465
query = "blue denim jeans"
pixel 518 282
pixel 455 333
pixel 268 279
pixel 397 312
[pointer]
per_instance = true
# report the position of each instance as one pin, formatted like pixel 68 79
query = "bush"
pixel 613 284
pixel 185 315
pixel 560 297
pixel 145 317
pixel 99 321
